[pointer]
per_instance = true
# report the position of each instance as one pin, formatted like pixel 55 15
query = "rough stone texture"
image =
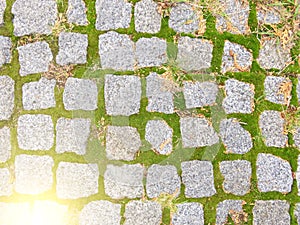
pixel 235 138
pixel 273 55
pixel 146 17
pixel 33 174
pixel 297 212
pixel 76 12
pixel 76 180
pixel 162 180
pixel 2 10
pixel 278 90
pixel 198 178
pixel 194 53
pixel 124 181
pixel 273 174
pixel 122 95
pixel 100 213
pixel 5 48
pixel 159 134
pixel 140 213
pixel 190 213
pixel 199 94
pixel 34 58
pixel 150 52
pixel 5 144
pixel 237 176
pixel 122 142
pixel 116 51
pixel 80 94
pixel 7 97
pixel 197 132
pixel 239 97
pixel 272 125
pixel 236 58
pixel 296 137
pixel 298 175
pixel 236 16
pixel 72 48
pixel 39 94
pixel 8 212
pixel 112 14
pixel 35 132
pixel 227 208
pixel 34 16
pixel 72 135
pixel 268 15
pixel 271 212
pixel 6 186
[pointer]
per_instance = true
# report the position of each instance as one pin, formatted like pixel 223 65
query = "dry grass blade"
pixel 59 73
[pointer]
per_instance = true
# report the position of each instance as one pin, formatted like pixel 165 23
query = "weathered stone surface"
pixel 33 16
pixel 298 175
pixel 72 48
pixel 76 180
pixel 297 212
pixel 35 132
pixel 197 132
pixel 8 212
pixel 151 52
pixel 190 213
pixel 146 17
pixel 124 181
pixel 140 213
pixel 100 213
pixel 6 186
pixel 273 174
pixel 239 97
pixel 80 94
pixel 34 58
pixel 194 53
pixel 5 48
pixel 5 144
pixel 7 97
pixel 278 89
pixel 271 212
pixel 272 125
pixel 112 14
pixel 2 10
pixel 237 176
pixel 268 14
pixel 198 179
pixel 162 180
pixel 39 94
pixel 72 135
pixel 236 58
pixel 122 95
pixel 235 138
pixel 33 174
pixel 122 142
pixel 76 12
pixel 296 137
pixel 228 208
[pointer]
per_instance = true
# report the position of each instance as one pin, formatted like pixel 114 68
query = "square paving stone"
pixel 197 132
pixel 237 176
pixel 297 212
pixel 271 212
pixel 5 144
pixel 8 212
pixel 76 12
pixel 2 10
pixel 194 53
pixel 198 179
pixel 124 181
pixel 34 58
pixel 272 125
pixel 34 16
pixel 122 95
pixel 162 180
pixel 112 14
pixel 80 94
pixel 100 213
pixel 122 143
pixel 143 212
pixel 268 14
pixel 278 89
pixel 76 180
pixel 146 17
pixel 190 213
pixel 72 135
pixel 228 208
pixel 6 184
pixel 150 52
pixel 5 49
pixel 298 175
pixel 199 94
pixel 72 48
pixel 273 174
pixel 7 97
pixel 239 97
pixel 296 137
pixel 35 132
pixel 33 174
pixel 39 94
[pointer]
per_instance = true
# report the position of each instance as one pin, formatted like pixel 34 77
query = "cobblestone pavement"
pixel 146 112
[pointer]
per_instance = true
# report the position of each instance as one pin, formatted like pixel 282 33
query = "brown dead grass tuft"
pixel 59 73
